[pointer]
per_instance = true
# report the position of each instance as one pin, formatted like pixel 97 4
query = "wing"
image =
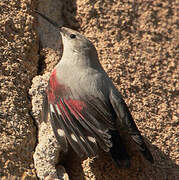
pixel 83 121
pixel 127 122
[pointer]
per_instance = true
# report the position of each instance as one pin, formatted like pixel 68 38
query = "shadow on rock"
pixel 104 168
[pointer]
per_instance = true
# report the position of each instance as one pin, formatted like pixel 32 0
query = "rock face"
pixel 18 65
pixel 138 46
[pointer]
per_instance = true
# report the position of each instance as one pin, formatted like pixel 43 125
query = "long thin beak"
pixel 47 19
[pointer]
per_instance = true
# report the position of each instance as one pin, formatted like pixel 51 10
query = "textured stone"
pixel 18 64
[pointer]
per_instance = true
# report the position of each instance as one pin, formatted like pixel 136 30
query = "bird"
pixel 86 110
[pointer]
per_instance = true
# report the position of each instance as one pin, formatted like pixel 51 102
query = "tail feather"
pixel 127 122
pixel 138 139
pixel 118 151
pixel 147 154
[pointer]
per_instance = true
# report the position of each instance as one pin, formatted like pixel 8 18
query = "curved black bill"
pixel 47 19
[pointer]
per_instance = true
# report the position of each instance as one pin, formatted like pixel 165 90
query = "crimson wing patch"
pixel 83 123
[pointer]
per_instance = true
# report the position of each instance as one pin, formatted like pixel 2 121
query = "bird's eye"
pixel 72 36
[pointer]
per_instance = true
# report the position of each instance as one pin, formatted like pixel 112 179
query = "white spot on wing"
pixel 51 108
pixel 58 111
pixel 92 139
pixel 74 138
pixel 60 132
pixel 82 138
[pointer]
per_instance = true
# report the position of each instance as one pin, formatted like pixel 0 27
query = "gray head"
pixel 74 41
pixel 77 49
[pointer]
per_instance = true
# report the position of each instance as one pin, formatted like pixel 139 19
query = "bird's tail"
pixel 136 136
pixel 118 151
pixel 126 122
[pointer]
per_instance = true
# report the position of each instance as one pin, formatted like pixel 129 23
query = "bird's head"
pixel 77 49
pixel 74 41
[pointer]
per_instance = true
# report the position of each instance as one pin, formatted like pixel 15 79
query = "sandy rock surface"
pixel 18 65
pixel 138 46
